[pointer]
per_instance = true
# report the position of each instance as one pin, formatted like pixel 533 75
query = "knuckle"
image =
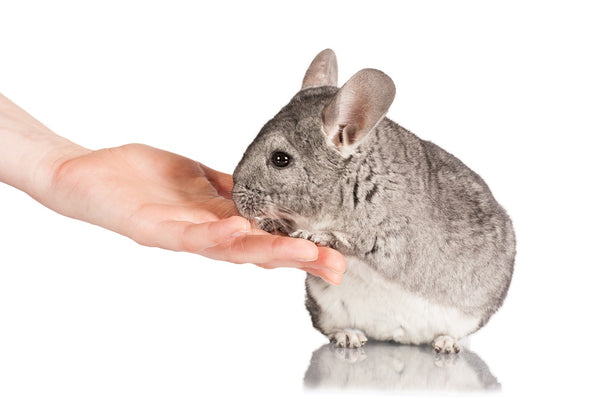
pixel 187 244
pixel 278 245
pixel 232 251
pixel 243 221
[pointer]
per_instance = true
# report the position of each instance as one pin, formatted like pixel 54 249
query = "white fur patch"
pixel 384 311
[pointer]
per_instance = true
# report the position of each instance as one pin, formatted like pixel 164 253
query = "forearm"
pixel 155 197
pixel 29 151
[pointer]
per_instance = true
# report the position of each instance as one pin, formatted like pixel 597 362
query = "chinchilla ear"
pixel 357 108
pixel 322 71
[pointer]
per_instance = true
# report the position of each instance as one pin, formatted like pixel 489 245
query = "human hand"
pixel 164 200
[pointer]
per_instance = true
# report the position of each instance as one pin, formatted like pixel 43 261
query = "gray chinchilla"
pixel 429 251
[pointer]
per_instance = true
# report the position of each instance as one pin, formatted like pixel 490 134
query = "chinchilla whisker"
pixel 282 209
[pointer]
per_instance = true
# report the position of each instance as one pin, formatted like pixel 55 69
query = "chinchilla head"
pixel 290 170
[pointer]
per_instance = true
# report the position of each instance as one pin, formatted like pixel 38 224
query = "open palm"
pixel 162 199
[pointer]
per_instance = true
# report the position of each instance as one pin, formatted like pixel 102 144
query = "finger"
pixel 328 259
pixel 328 276
pixel 324 273
pixel 219 206
pixel 330 265
pixel 264 249
pixel 223 182
pixel 192 237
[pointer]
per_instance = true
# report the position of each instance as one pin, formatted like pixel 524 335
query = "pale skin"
pixel 154 197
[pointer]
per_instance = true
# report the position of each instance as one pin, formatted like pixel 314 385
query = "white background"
pixel 511 88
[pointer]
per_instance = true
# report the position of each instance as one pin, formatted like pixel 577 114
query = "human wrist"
pixel 31 158
pixel 30 153
pixel 43 181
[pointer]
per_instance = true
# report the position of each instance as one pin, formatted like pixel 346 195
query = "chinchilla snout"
pixel 246 199
pixel 249 203
pixel 251 200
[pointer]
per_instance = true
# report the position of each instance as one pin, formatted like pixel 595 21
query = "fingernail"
pixel 329 270
pixel 337 271
pixel 334 269
pixel 335 279
pixel 306 259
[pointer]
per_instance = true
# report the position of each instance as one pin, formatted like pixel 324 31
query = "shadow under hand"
pixel 389 366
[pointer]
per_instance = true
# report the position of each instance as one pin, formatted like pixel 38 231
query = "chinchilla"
pixel 429 251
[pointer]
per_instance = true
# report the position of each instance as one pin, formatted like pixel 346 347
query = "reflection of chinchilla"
pixel 384 366
pixel 429 250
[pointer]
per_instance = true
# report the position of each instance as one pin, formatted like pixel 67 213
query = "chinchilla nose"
pixel 248 202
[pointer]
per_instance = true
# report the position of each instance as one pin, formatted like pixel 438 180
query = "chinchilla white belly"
pixel 382 309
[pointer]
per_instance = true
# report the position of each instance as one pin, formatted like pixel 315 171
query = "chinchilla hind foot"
pixel 445 344
pixel 348 338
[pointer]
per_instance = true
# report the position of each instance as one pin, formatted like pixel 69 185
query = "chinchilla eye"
pixel 281 159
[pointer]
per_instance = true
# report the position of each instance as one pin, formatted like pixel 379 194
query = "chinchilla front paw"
pixel 319 237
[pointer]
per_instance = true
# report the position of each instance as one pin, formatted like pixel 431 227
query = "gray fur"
pixel 412 211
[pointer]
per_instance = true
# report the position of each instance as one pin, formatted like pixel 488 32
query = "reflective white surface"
pixel 381 366
pixel 510 88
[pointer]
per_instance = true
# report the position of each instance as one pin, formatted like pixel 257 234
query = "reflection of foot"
pixel 445 360
pixel 348 338
pixel 350 355
pixel 446 344
pixel 386 366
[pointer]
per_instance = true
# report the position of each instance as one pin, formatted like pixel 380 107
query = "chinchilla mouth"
pixel 255 204
pixel 284 226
